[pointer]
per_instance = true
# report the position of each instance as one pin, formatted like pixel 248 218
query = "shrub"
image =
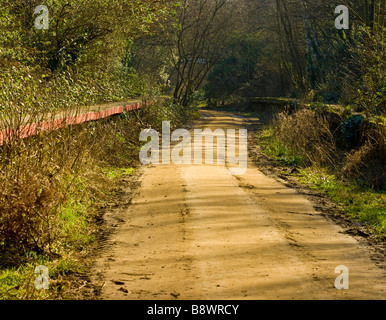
pixel 351 132
pixel 307 134
pixel 367 162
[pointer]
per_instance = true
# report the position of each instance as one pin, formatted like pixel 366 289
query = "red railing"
pixel 35 128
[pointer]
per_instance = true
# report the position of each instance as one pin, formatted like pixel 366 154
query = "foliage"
pixel 52 184
pixel 308 135
pixel 279 150
pixel 232 76
pixel 369 52
pixel 78 60
pixel 358 201
pixel 295 51
pixel 351 131
pixel 363 204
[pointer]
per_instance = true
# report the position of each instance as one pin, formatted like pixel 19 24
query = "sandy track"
pixel 196 232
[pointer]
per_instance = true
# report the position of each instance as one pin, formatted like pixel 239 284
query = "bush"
pixel 28 207
pixel 168 110
pixel 307 134
pixel 352 146
pixel 351 132
pixel 50 182
pixel 367 162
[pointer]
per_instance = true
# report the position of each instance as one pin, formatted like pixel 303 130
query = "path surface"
pixel 196 232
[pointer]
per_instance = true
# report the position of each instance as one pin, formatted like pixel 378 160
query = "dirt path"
pixel 196 232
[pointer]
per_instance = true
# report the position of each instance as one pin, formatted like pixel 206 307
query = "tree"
pixel 200 32
pixel 234 75
pixel 79 58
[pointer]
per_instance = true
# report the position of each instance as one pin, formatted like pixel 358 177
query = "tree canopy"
pixel 229 49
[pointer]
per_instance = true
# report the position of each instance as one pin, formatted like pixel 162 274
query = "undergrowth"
pixel 305 143
pixel 52 186
pixel 359 203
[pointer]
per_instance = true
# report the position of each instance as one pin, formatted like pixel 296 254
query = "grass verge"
pixel 359 203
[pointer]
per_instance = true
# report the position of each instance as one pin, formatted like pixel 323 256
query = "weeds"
pixel 279 150
pixel 308 135
pixel 51 187
pixel 362 204
pixel 354 178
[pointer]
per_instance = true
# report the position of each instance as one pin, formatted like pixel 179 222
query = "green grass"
pixel 116 173
pixel 278 150
pixel 359 203
pixel 74 225
pixel 75 234
pixel 18 283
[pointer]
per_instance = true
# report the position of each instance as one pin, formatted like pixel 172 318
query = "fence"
pixel 35 128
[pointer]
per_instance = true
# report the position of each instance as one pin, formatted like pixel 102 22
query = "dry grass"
pixel 307 134
pixel 40 174
pixel 368 162
pixel 355 179
pixel 52 186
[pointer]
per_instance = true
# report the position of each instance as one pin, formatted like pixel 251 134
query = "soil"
pixel 197 232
